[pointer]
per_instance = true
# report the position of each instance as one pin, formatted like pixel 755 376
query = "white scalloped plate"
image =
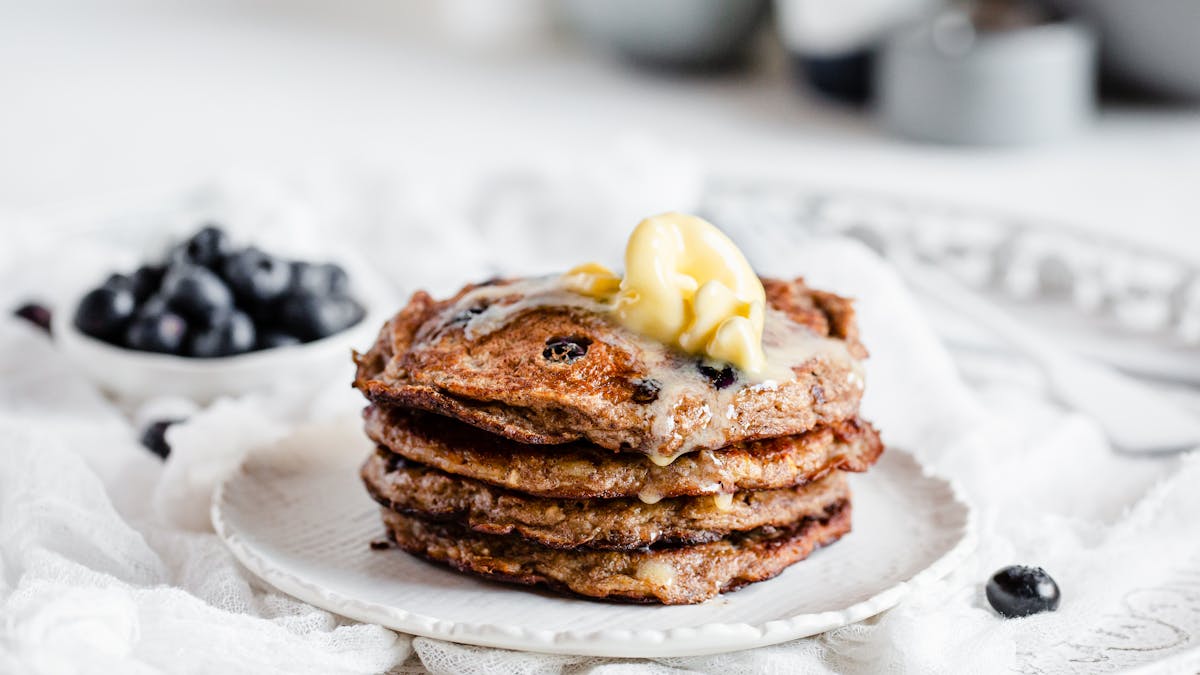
pixel 298 517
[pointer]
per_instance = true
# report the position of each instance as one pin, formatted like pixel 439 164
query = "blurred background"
pixel 986 103
pixel 1045 153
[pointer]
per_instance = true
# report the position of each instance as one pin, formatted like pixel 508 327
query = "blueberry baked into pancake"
pixel 662 436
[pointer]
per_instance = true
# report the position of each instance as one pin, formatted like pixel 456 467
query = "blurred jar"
pixel 990 72
pixel 679 34
pixel 832 43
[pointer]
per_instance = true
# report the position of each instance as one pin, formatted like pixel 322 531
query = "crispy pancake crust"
pixel 580 470
pixel 671 576
pixel 612 524
pixel 503 381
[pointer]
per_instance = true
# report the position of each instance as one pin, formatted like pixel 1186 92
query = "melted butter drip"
pixel 650 495
pixel 786 345
pixel 530 293
pixel 723 502
pixel 789 344
pixel 656 572
pixel 664 460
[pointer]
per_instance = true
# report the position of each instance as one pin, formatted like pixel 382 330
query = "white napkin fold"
pixel 107 563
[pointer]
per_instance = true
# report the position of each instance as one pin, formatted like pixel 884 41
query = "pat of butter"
pixel 686 284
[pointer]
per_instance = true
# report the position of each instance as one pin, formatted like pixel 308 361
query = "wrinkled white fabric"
pixel 107 562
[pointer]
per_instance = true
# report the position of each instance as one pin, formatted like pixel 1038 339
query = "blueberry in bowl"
pixel 214 318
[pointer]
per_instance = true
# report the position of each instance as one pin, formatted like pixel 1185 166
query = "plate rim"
pixel 706 639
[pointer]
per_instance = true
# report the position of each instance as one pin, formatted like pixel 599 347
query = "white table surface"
pixel 133 97
pixel 101 101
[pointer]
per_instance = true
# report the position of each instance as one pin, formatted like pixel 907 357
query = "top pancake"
pixel 535 363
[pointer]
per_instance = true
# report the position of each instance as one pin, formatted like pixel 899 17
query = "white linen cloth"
pixel 107 563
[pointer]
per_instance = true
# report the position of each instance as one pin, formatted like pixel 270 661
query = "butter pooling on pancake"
pixel 687 285
pixel 651 396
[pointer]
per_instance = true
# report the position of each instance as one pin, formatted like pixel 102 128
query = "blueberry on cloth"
pixel 1018 590
pixel 35 313
pixel 154 437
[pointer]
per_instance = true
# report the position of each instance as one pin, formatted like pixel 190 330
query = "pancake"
pixel 615 524
pixel 534 363
pixel 580 470
pixel 672 576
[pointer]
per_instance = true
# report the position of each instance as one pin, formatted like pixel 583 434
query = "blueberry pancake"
pixel 619 524
pixel 663 434
pixel 671 576
pixel 531 362
pixel 581 470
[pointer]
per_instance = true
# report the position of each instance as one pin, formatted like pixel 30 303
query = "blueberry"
pixel 104 312
pixel 465 315
pixel 311 317
pixel 146 281
pixel 255 277
pixel 319 279
pixel 118 282
pixel 270 339
pixel 646 391
pixel 36 314
pixel 155 304
pixel 207 248
pixel 395 462
pixel 720 378
pixel 242 333
pixel 197 294
pixel 154 437
pixel 233 334
pixel 1020 591
pixel 157 331
pixel 566 349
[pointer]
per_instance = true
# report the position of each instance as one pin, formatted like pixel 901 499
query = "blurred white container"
pixel 946 82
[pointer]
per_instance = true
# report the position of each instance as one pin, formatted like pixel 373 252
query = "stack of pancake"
pixel 526 436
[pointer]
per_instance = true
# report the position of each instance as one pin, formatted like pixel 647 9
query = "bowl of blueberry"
pixel 213 319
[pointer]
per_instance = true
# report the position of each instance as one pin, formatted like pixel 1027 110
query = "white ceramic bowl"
pixel 1004 88
pixel 137 376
